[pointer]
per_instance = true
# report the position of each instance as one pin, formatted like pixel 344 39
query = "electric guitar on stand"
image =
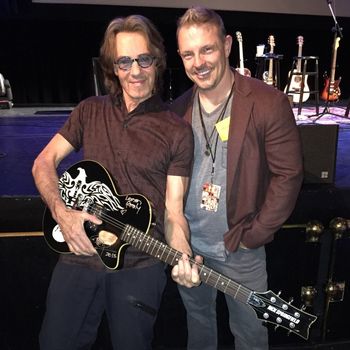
pixel 127 220
pixel 296 83
pixel 331 91
pixel 241 69
pixel 268 76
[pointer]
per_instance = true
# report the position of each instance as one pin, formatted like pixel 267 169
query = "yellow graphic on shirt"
pixel 222 128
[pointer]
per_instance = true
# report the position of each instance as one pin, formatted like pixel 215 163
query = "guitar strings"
pixel 212 277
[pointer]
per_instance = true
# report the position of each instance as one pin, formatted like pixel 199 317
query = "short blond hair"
pixel 198 15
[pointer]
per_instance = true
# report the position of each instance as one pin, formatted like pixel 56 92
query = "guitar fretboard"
pixel 163 252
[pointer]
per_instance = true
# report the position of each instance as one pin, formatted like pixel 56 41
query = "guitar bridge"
pixel 106 238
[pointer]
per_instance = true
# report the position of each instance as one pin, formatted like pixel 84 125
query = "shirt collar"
pixel 152 104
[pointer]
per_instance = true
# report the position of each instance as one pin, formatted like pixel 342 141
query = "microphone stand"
pixel 337 30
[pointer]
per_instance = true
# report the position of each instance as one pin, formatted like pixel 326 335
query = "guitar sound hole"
pixel 107 238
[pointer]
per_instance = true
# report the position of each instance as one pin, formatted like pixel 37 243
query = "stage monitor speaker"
pixel 319 144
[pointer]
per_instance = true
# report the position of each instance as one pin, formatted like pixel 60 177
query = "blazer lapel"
pixel 240 114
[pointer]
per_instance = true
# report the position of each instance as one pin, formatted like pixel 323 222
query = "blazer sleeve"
pixel 269 173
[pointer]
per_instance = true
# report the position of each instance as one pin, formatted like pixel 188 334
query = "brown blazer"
pixel 264 161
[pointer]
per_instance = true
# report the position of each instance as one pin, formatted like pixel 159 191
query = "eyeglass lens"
pixel 144 61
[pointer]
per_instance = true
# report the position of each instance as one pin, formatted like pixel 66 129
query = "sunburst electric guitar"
pixel 268 76
pixel 127 219
pixel 241 69
pixel 331 91
pixel 297 83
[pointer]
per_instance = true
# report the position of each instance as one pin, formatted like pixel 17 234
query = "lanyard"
pixel 209 151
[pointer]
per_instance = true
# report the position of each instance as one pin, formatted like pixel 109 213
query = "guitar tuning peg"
pixel 290 300
pixel 279 293
pixel 303 307
pixel 276 327
pixel 288 333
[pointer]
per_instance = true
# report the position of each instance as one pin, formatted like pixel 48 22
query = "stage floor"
pixel 24 131
pixel 27 262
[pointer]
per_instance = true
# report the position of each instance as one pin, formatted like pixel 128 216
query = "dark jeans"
pixel 246 267
pixel 78 296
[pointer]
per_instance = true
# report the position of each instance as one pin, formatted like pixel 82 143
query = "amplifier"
pixel 319 144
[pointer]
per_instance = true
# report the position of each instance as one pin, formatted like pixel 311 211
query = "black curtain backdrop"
pixel 46 49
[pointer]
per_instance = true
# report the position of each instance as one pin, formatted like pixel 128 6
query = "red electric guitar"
pixel 331 91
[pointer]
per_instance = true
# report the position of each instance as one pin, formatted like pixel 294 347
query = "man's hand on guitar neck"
pixel 186 274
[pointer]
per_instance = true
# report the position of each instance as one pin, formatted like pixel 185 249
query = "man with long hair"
pixel 148 150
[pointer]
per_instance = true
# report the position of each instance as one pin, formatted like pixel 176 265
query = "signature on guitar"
pixel 126 220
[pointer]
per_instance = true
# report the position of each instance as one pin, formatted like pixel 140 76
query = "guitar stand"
pixel 337 30
pixel 305 71
pixel 326 111
pixel 347 109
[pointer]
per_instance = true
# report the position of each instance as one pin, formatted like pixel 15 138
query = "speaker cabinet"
pixel 319 144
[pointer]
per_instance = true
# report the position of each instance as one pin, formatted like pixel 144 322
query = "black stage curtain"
pixel 47 50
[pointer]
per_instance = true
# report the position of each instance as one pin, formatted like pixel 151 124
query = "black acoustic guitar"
pixel 127 219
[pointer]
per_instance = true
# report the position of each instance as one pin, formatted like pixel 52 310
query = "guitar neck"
pixel 271 69
pixel 300 50
pixel 270 72
pixel 334 61
pixel 163 252
pixel 241 59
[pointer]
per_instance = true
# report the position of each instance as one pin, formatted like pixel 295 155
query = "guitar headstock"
pixel 300 40
pixel 271 42
pixel 271 308
pixel 239 37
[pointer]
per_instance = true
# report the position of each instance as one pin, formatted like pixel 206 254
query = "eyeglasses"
pixel 125 62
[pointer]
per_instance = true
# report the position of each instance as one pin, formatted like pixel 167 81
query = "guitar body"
pixel 296 85
pixel 126 220
pixel 331 91
pixel 244 71
pixel 88 186
pixel 267 77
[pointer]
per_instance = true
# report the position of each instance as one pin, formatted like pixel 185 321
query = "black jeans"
pixel 78 296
